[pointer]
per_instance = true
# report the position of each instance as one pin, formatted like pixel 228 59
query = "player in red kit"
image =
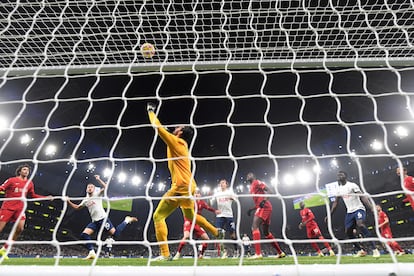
pixel 262 215
pixel 13 210
pixel 408 184
pixel 385 230
pixel 198 232
pixel 312 229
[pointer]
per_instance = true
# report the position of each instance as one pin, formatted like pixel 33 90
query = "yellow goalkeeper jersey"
pixel 179 163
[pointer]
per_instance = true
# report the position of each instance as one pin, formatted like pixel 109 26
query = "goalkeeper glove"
pixel 250 211
pixel 151 107
pixel 262 203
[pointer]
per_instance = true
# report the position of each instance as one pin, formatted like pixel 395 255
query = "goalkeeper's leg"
pixel 164 209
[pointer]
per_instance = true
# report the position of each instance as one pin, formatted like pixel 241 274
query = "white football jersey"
pixel 224 201
pixel 94 204
pixel 246 240
pixel 109 241
pixel 348 193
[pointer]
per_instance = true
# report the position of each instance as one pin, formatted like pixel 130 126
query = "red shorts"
pixel 313 232
pixel 197 232
pixel 264 213
pixel 11 215
pixel 386 234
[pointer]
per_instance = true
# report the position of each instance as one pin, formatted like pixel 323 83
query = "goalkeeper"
pixel 183 184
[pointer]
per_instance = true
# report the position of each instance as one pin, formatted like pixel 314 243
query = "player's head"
pixel 378 207
pixel 187 134
pixel 184 132
pixel 302 205
pixel 398 171
pixel 251 177
pixel 23 170
pixel 342 177
pixel 223 184
pixel 90 188
pixel 197 193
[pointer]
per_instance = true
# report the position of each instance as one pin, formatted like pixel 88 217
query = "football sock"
pixel 161 232
pixel 365 233
pixel 275 244
pixel 120 228
pixel 327 245
pixel 256 237
pixel 87 237
pixel 180 246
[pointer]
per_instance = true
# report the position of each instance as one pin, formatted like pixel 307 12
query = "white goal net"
pixel 293 91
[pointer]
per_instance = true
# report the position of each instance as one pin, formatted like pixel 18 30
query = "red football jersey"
pixel 385 229
pixel 258 188
pixel 409 183
pixel 17 187
pixel 201 205
pixel 307 215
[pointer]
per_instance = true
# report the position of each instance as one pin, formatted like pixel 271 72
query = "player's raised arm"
pixel 169 138
pixel 101 182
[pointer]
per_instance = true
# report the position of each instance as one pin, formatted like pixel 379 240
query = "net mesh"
pixel 66 36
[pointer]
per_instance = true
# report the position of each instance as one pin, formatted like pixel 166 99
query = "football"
pixel 147 50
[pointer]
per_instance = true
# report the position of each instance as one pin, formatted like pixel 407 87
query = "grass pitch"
pixel 207 262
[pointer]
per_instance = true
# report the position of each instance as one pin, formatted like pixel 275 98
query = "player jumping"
pixel 93 201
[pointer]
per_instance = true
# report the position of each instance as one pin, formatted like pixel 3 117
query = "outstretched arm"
pixel 31 193
pixel 73 205
pixel 101 182
pixel 251 210
pixel 170 139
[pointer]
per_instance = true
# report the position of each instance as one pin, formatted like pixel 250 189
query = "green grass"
pixel 207 261
pixel 312 200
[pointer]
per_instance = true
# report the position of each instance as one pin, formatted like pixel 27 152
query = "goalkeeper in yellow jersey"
pixel 183 184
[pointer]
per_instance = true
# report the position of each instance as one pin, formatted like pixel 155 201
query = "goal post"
pixel 267 85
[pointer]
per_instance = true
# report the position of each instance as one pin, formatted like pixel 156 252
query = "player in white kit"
pixel 93 201
pixel 355 211
pixel 224 214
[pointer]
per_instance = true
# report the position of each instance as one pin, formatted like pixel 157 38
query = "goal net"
pixel 293 91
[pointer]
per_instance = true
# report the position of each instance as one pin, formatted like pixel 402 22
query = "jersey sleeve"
pixel 310 215
pixel 207 207
pixel 173 142
pixel 409 183
pixel 4 186
pixel 356 188
pixel 82 203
